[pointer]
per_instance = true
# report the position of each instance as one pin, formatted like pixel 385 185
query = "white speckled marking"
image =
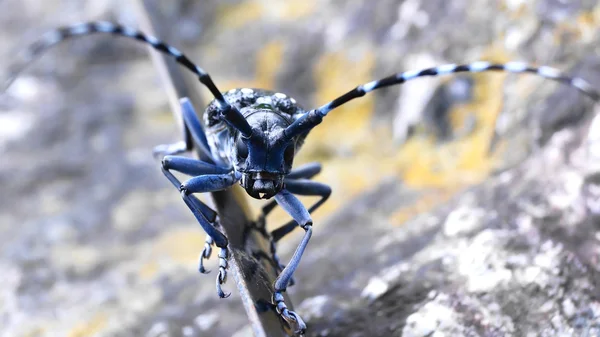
pixel 231 91
pixel 369 86
pixel 152 40
pixel 280 95
pixel 515 66
pixel 247 91
pixel 409 74
pixel 446 69
pixel 264 100
pixel 549 72
pixel 479 66
pixel 293 101
pixel 129 31
pixel 81 28
pixel 105 26
pixel 581 84
pixel 174 51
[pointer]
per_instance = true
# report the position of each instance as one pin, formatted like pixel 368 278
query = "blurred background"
pixel 95 242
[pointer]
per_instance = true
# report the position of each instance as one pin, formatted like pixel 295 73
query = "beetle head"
pixel 266 157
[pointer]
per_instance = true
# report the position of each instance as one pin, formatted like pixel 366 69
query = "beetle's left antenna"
pixel 229 113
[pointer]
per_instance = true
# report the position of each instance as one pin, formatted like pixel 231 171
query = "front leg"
pixel 298 183
pixel 307 188
pixel 300 214
pixel 299 187
pixel 307 171
pixel 210 183
pixel 208 178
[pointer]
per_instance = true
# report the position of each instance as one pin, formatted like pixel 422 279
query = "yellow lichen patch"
pixel 180 245
pixel 516 11
pixel 238 15
pixel 423 205
pixel 159 119
pixel 583 27
pixel 347 126
pixel 79 259
pixel 451 165
pixel 587 24
pixel 295 9
pixel 418 163
pixel 346 129
pixel 587 19
pixel 148 271
pixel 466 160
pixel 268 60
pixel 596 14
pixel 34 331
pixel 90 327
pixel 348 177
pixel 230 16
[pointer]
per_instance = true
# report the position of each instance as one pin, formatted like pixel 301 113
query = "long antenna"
pixel 51 38
pixel 314 117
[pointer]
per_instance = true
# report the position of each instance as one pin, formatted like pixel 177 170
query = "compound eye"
pixel 242 148
pixel 288 154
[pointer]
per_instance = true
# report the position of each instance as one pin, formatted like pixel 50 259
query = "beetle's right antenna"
pixel 228 112
pixel 312 118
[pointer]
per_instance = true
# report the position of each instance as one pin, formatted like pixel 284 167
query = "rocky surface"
pixel 518 255
pixel 94 242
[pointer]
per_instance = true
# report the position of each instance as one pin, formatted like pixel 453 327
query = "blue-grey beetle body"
pixel 261 161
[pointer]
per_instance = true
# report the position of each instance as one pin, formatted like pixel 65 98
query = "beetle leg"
pixel 293 207
pixel 210 183
pixel 307 188
pixel 205 254
pixel 207 178
pixel 301 187
pixel 193 135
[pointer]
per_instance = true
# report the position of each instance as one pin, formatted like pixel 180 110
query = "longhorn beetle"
pixel 250 137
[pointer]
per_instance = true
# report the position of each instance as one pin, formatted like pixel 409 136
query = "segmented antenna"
pixel 58 35
pixel 314 117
